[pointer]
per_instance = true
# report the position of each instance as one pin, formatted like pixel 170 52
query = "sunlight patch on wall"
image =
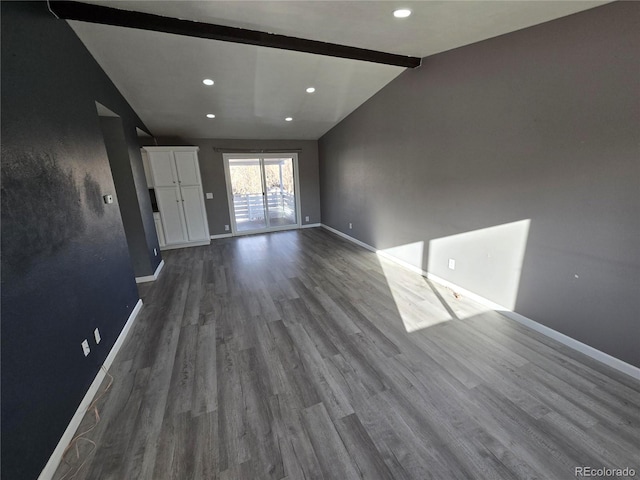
pixel 410 254
pixel 487 262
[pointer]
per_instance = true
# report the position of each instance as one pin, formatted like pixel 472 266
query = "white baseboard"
pixel 485 302
pixel 589 351
pixel 54 461
pixel 351 239
pixel 186 245
pixel 596 354
pixel 227 235
pixel 151 278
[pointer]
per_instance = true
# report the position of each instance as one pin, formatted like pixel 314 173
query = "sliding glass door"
pixel 262 192
pixel 245 175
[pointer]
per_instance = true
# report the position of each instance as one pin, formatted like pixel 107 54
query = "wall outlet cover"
pixel 96 335
pixel 306 219
pixel 209 196
pixel 226 228
pixel 452 264
pixel 85 347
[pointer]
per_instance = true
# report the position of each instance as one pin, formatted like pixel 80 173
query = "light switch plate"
pixel 85 347
pixel 96 334
pixel 209 196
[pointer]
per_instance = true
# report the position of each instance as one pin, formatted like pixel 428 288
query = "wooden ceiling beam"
pixel 85 12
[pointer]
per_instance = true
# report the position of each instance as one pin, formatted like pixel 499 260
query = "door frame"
pixel 261 156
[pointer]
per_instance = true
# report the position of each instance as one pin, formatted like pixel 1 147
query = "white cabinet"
pixel 193 212
pixel 163 168
pixel 159 230
pixel 175 174
pixel 172 215
pixel 187 168
pixel 147 169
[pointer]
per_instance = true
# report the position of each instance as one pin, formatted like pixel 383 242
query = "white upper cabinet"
pixel 187 168
pixel 163 168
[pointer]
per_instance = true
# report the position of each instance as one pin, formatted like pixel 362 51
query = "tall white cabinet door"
pixel 163 168
pixel 171 211
pixel 157 219
pixel 187 168
pixel 194 213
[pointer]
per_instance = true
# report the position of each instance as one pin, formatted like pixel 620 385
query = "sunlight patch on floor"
pixel 418 306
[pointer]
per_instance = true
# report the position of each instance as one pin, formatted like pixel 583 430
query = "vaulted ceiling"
pixel 256 88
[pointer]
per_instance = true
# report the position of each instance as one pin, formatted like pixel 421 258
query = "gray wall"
pixel 66 267
pixel 212 170
pixel 518 157
pixel 147 260
pixel 141 234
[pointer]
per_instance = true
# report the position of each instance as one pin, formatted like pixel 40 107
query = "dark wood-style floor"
pixel 286 356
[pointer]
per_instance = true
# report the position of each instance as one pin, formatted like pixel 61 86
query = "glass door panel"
pixel 245 175
pixel 262 192
pixel 281 200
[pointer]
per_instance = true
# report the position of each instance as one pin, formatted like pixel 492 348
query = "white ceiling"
pixel 255 88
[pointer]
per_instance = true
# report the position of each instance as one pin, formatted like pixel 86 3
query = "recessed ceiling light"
pixel 311 90
pixel 208 81
pixel 210 115
pixel 288 119
pixel 402 13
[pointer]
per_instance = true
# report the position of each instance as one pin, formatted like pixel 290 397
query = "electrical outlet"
pixel 452 264
pixel 306 219
pixel 209 196
pixel 226 228
pixel 85 347
pixel 96 335
pixel 350 225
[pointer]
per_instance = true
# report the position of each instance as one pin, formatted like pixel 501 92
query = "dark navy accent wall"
pixel 66 267
pixel 540 126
